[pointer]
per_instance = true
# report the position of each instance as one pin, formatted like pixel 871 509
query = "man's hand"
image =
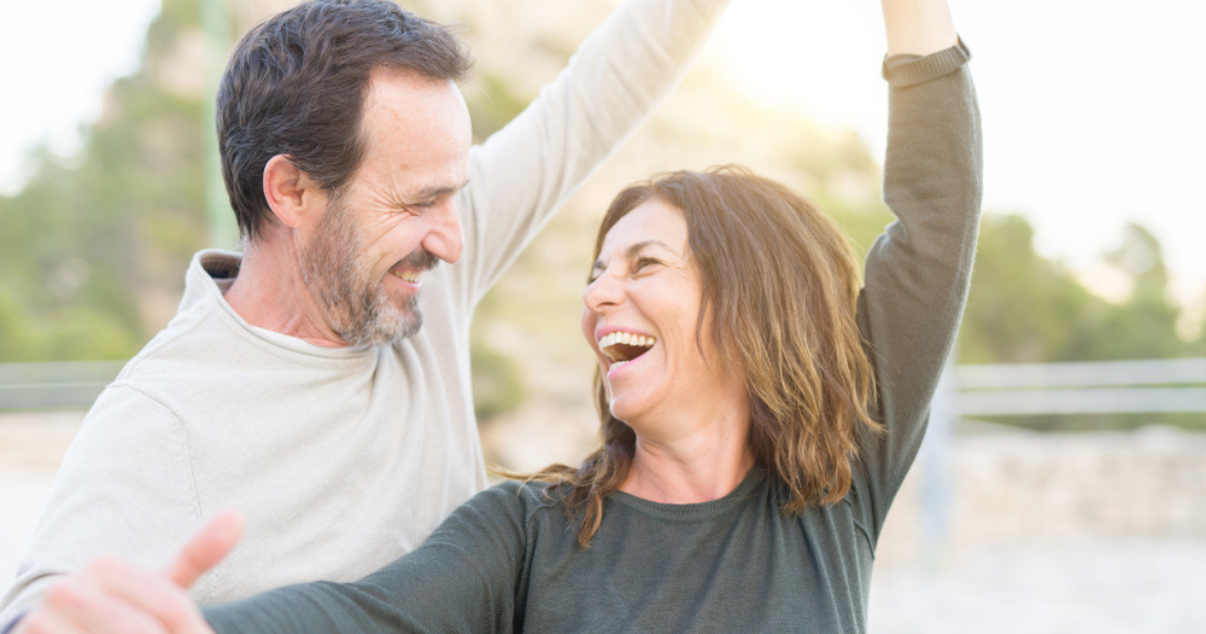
pixel 110 596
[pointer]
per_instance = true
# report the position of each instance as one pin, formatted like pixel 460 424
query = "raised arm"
pixel 529 169
pixel 918 271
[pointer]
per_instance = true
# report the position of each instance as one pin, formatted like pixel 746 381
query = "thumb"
pixel 206 548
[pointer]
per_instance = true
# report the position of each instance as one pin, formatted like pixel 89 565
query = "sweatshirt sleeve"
pixel 125 488
pixel 918 270
pixel 463 578
pixel 526 171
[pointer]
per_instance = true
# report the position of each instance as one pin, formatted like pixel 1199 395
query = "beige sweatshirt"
pixel 341 459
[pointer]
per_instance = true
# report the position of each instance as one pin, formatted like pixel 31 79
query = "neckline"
pixel 699 510
pixel 214 266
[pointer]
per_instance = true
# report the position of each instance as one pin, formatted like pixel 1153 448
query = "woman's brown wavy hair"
pixel 782 284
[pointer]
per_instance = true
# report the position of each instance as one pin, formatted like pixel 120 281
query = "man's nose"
pixel 444 238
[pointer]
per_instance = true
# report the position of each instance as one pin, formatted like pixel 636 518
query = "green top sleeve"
pixel 919 269
pixel 462 579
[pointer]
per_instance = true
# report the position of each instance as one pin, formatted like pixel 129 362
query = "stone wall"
pixel 1010 487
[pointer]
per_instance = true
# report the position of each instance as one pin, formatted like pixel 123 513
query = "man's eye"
pixel 424 205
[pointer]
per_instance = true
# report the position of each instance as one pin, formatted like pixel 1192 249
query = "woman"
pixel 759 409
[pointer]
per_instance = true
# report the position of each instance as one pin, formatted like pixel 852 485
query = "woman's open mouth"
pixel 622 347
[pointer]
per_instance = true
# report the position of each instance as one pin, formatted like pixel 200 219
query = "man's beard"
pixel 355 306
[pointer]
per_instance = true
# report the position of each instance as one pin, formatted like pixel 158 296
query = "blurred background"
pixel 1063 484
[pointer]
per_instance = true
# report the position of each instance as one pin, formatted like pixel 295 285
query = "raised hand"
pixel 110 596
pixel 919 27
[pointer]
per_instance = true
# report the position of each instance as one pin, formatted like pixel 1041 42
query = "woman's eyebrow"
pixel 640 246
pixel 632 251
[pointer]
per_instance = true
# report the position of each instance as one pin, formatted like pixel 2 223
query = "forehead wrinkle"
pixel 389 192
pixel 386 192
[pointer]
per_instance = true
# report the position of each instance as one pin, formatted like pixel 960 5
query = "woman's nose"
pixel 603 292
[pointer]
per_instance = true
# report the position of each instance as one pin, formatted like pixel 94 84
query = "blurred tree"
pixel 1143 327
pixel 93 252
pixel 1022 307
pixel 1025 308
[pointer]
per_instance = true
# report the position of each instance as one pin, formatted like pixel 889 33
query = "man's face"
pixel 363 262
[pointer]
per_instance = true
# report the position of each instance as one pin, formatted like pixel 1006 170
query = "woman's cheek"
pixel 588 327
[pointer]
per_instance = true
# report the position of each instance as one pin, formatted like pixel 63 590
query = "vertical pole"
pixel 936 494
pixel 223 232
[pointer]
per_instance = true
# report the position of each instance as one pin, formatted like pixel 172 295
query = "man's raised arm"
pixel 526 171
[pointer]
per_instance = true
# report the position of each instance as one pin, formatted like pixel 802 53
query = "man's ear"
pixel 291 194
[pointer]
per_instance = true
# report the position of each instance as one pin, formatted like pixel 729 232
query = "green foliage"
pixel 68 333
pixel 492 105
pixel 1025 308
pixel 497 387
pixel 1145 326
pixel 1022 308
pixel 86 243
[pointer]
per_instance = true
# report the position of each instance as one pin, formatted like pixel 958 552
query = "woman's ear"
pixel 294 198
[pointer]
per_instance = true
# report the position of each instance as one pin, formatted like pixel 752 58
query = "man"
pixel 319 381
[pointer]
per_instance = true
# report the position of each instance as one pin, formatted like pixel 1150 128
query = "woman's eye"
pixel 643 263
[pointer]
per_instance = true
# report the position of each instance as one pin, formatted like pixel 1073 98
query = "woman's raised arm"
pixel 918 271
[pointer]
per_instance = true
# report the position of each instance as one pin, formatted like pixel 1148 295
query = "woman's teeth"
pixel 608 346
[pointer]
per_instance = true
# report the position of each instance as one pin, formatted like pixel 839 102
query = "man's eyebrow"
pixel 435 192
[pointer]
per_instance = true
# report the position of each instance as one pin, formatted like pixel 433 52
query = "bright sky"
pixel 1092 108
pixel 56 58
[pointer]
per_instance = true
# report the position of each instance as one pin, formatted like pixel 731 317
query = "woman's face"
pixel 640 318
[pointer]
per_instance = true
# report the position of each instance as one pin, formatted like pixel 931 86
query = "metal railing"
pixel 1154 386
pixel 1106 387
pixel 59 385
